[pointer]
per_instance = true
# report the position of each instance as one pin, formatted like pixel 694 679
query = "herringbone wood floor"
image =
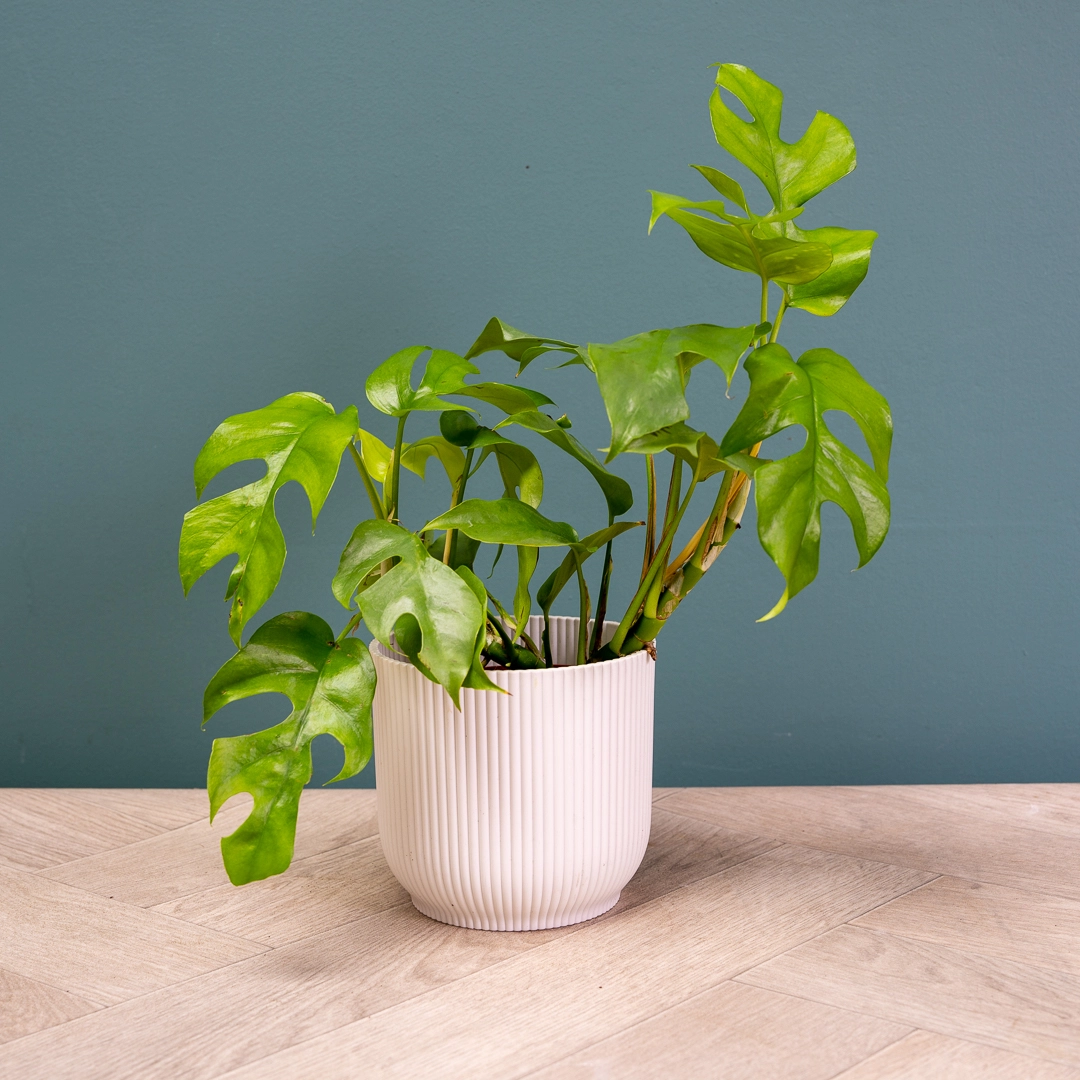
pixel 923 932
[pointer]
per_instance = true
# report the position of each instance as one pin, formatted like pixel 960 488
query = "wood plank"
pixel 224 1019
pixel 187 860
pixel 659 793
pixel 1001 1003
pixel 349 883
pixel 27 1005
pixel 880 824
pixel 926 1056
pixel 1029 927
pixel 42 827
pixel 1047 807
pixel 735 1032
pixel 100 949
pixel 604 977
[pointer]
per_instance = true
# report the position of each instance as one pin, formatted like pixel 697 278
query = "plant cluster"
pixel 415 589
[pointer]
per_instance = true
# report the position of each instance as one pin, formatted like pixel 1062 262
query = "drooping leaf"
pixel 300 438
pixel 415 456
pixel 789 492
pixel 331 687
pixel 498 336
pixel 567 569
pixel 478 678
pixel 792 173
pixel 827 294
pixel 663 203
pixel 447 614
pixel 789 262
pixel 389 386
pixel 504 521
pixel 642 378
pixel 510 399
pixel 616 490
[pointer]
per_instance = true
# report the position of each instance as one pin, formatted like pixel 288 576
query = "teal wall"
pixel 207 205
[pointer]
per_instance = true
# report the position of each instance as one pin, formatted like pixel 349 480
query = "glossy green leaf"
pixel 331 687
pixel 510 399
pixel 389 386
pixel 663 203
pixel 504 521
pixel 828 293
pixel 792 173
pixel 723 183
pixel 527 558
pixel 415 456
pixel 788 262
pixel 376 454
pixel 498 336
pixel 789 492
pixel 617 492
pixel 447 615
pixel 642 378
pixel 478 679
pixel 567 569
pixel 300 438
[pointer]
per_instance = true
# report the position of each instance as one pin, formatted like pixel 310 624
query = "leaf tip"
pixel 777 608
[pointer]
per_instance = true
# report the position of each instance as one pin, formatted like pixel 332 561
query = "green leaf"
pixel 663 203
pixel 415 456
pixel 725 185
pixel 504 521
pixel 827 294
pixel 791 491
pixel 447 614
pixel 642 378
pixel 478 678
pixel 331 687
pixel 510 399
pixel 376 455
pixel 616 490
pixel 567 569
pixel 792 173
pixel 789 262
pixel 527 560
pixel 300 438
pixel 389 386
pixel 498 336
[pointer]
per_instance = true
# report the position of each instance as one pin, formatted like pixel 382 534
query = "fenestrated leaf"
pixel 567 569
pixel 642 378
pixel 300 438
pixel 498 336
pixel 617 491
pixel 389 386
pixel 827 294
pixel 447 613
pixel 331 687
pixel 792 173
pixel 504 521
pixel 791 491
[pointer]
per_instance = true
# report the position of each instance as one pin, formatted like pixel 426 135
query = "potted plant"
pixel 514 747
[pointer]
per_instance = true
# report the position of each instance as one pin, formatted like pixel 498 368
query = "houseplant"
pixel 436 624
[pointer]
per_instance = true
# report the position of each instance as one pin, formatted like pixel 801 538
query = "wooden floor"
pixel 922 932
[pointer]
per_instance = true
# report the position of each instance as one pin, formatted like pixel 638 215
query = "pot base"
pixel 453 917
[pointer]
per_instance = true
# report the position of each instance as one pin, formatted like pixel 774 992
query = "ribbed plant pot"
pixel 522 811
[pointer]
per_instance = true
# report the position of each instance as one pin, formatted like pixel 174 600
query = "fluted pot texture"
pixel 520 811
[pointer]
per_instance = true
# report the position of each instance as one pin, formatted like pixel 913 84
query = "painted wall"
pixel 208 205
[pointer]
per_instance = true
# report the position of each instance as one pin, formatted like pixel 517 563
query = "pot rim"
pixel 377 648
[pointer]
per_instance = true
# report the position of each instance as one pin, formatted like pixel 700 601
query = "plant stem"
pixel 764 300
pixel 650 518
pixel 583 622
pixel 455 498
pixel 369 484
pixel 353 623
pixel 395 472
pixel 779 318
pixel 602 597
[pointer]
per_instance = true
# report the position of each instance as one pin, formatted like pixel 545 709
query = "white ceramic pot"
pixel 521 811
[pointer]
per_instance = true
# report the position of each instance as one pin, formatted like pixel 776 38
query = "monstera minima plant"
pixel 414 584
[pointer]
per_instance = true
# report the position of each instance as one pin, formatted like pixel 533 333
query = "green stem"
pixel 650 518
pixel 583 623
pixel 455 498
pixel 602 598
pixel 369 484
pixel 779 317
pixel 353 623
pixel 395 472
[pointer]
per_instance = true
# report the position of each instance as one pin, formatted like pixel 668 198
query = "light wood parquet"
pixel 782 934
